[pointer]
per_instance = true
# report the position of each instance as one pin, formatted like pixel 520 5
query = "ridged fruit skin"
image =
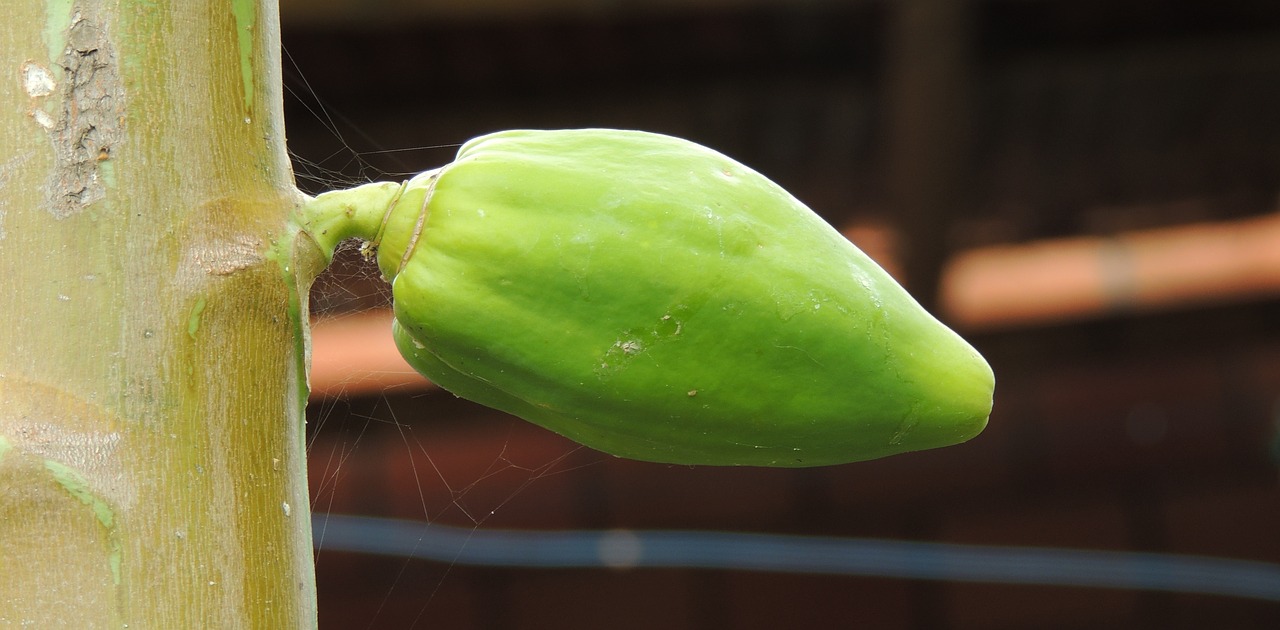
pixel 656 300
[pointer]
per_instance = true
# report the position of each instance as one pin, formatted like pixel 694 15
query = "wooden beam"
pixel 361 12
pixel 1090 277
pixel 927 132
pixel 354 355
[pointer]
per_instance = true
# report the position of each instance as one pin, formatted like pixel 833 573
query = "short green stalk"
pixel 338 215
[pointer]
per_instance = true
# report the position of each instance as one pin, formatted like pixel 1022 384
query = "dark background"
pixel 954 124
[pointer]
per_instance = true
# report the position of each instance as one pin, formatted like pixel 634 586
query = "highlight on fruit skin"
pixel 656 300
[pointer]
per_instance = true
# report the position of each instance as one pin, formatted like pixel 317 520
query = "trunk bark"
pixel 152 351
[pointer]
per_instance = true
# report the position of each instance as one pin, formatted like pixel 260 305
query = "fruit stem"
pixel 359 212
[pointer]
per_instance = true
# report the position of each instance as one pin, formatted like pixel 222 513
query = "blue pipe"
pixel 868 557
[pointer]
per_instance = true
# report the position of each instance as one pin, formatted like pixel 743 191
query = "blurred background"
pixel 1086 190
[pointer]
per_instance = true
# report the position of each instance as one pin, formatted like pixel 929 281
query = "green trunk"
pixel 152 375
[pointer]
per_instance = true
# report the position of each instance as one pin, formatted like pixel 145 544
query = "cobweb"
pixel 390 450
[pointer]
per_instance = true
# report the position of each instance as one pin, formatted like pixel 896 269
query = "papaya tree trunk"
pixel 152 330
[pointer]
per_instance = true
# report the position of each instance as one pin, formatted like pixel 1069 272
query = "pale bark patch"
pixel 83 114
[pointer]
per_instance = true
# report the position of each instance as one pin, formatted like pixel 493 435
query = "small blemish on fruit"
pixel 667 327
pixel 692 393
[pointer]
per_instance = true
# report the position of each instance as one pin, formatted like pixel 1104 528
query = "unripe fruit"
pixel 656 300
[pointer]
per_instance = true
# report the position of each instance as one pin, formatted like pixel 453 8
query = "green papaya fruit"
pixel 654 299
